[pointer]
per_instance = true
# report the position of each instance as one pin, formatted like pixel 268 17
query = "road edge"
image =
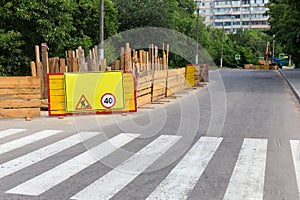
pixel 297 95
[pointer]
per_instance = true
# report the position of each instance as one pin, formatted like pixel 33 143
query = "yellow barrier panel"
pixel 56 95
pixel 190 75
pixel 86 92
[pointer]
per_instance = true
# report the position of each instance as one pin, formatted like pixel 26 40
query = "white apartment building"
pixel 234 14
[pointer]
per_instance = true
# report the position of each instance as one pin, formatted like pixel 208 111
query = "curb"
pixel 296 93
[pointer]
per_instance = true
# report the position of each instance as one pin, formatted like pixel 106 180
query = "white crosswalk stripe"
pixel 295 146
pixel 15 144
pixel 185 175
pixel 64 171
pixel 247 180
pixel 114 181
pixel 10 132
pixel 43 153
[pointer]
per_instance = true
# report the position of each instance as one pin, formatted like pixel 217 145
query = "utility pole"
pixel 197 35
pixel 101 33
pixel 222 51
pixel 273 51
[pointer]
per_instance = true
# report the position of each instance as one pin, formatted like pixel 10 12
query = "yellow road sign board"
pixel 86 92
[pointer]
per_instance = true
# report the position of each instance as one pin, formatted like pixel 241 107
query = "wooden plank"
pixel 172 83
pixel 172 72
pixel 20 103
pixel 158 97
pixel 18 113
pixel 144 92
pixel 20 82
pixel 19 91
pixel 145 79
pixel 159 92
pixel 143 100
pixel 159 87
pixel 144 86
pixel 159 74
pixel 20 96
pixel 181 71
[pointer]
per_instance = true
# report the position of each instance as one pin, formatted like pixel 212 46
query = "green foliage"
pixel 67 24
pixel 62 24
pixel 285 24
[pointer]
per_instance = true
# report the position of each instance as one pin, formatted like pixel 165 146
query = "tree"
pixel 62 24
pixel 285 24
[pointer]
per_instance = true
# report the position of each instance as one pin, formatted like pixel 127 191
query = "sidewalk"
pixel 292 76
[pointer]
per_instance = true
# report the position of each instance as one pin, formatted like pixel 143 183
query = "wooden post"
pixel 122 59
pixel 156 57
pixel 128 63
pixel 56 65
pixel 81 60
pixel 147 62
pixel 75 64
pixel 95 59
pixel 152 58
pixel 168 49
pixel 39 67
pixel 141 60
pixel 33 68
pixel 103 65
pixel 62 65
pixel 69 61
pixel 51 65
pixel 45 59
pixel 90 62
pixel 149 57
pixel 117 65
pixel 45 66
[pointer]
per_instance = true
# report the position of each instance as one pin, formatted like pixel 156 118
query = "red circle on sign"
pixel 108 100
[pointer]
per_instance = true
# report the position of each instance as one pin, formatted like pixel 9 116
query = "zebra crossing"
pixel 246 182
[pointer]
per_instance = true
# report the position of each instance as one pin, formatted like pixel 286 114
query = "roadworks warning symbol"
pixel 83 104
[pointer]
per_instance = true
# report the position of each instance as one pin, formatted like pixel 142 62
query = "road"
pixel 237 138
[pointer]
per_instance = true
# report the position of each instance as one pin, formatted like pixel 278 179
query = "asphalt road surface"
pixel 237 138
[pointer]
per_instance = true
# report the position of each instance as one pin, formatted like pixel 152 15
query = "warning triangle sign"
pixel 83 104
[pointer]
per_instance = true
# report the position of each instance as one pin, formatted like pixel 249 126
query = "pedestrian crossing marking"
pixel 295 147
pixel 114 181
pixel 43 153
pixel 38 185
pixel 10 132
pixel 247 179
pixel 182 179
pixel 15 144
pixel 246 182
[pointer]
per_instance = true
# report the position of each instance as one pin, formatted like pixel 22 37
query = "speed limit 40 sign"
pixel 108 100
